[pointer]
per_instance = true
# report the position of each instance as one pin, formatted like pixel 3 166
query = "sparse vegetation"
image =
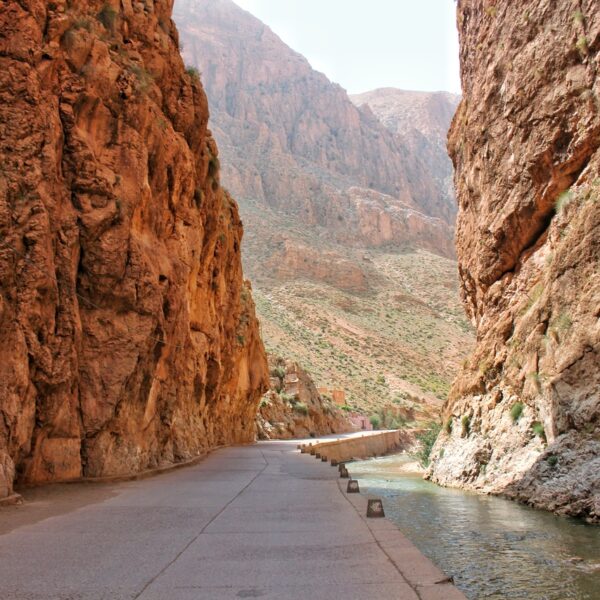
pixel 582 46
pixel 348 341
pixel 465 426
pixel 448 426
pixel 578 17
pixel 538 429
pixel 108 17
pixel 552 460
pixel 193 73
pixel 516 411
pixel 375 421
pixel 301 408
pixel 426 441
pixel 278 371
pixel 563 200
pixel 287 398
pixel 144 78
pixel 562 323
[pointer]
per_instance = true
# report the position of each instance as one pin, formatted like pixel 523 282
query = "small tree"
pixel 427 440
pixel 375 421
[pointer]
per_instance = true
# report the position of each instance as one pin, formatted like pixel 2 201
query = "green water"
pixel 495 549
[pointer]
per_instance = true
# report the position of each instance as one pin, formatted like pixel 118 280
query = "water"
pixel 495 549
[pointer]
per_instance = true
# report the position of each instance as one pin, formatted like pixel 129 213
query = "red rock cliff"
pixel 127 337
pixel 524 415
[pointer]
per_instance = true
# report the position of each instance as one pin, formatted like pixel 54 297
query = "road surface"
pixel 261 521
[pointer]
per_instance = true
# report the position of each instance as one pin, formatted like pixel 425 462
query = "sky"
pixel 368 44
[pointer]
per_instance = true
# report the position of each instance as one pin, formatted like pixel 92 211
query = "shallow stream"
pixel 495 548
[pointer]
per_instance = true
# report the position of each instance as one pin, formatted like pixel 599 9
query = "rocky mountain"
pixel 420 121
pixel 128 337
pixel 523 418
pixel 295 141
pixel 344 217
pixel 293 407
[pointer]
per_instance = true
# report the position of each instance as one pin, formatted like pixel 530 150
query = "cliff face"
pixel 293 408
pixel 525 143
pixel 127 337
pixel 295 141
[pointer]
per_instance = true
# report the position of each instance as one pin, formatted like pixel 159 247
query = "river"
pixel 495 548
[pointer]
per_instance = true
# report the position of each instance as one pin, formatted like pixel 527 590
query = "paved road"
pixel 259 521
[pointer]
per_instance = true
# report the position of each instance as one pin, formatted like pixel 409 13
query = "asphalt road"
pixel 258 521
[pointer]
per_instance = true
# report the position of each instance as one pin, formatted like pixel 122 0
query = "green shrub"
pixel 193 73
pixel 516 411
pixel 426 440
pixel 448 426
pixel 278 372
pixel 375 421
pixel 213 166
pixel 563 201
pixel 288 398
pixel 346 408
pixel 144 78
pixel 264 402
pixel 301 408
pixel 583 46
pixel 539 430
pixel 466 425
pixel 552 460
pixel 108 17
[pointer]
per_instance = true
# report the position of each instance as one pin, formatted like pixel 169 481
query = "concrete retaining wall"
pixel 376 444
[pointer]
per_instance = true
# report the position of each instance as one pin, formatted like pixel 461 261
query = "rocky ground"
pixel 293 408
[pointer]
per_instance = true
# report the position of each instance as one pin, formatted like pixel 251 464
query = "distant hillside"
pixel 294 140
pixel 345 217
pixel 420 121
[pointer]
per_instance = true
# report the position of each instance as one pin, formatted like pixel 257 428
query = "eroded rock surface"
pixel 293 407
pixel 524 413
pixel 127 337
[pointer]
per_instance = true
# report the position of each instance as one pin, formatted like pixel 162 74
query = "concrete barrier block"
pixel 375 508
pixel 353 487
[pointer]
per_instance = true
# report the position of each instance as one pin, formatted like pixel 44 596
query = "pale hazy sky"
pixel 366 44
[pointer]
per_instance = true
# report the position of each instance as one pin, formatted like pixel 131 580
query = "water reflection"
pixel 496 549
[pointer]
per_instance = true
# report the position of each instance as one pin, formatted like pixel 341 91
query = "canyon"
pixel 523 416
pixel 128 336
pixel 348 209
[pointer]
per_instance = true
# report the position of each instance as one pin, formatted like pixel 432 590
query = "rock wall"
pixel 523 418
pixel 127 337
pixel 293 408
